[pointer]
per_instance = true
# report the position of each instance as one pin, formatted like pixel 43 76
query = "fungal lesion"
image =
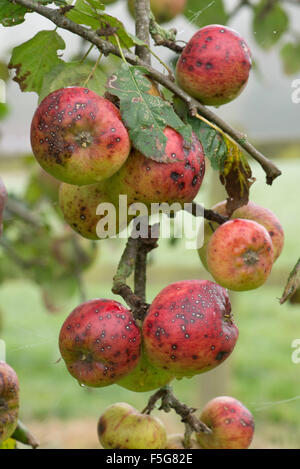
pixel 84 139
pixel 250 257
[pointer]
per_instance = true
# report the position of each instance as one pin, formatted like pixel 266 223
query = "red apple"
pixel 189 328
pixel 214 66
pixel 251 211
pixel 148 181
pixel 100 342
pixel 231 423
pixel 240 255
pixel 78 137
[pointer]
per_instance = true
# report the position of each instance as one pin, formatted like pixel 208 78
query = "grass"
pixel 262 373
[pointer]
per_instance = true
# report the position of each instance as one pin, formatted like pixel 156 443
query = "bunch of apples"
pixel 231 426
pixel 79 138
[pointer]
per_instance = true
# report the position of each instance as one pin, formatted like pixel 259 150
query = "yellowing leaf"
pixel 236 176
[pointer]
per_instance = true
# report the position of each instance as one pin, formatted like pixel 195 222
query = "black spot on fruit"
pixel 101 427
pixel 221 355
pixel 175 176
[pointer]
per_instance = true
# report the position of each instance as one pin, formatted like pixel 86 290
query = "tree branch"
pixel 134 259
pixel 146 245
pixel 169 401
pixel 197 211
pixel 55 15
pixel 142 19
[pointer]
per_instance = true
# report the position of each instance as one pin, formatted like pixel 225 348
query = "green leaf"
pixel 34 58
pixel 4 73
pixel 11 14
pixel 293 283
pixel 212 141
pixel 269 23
pixel 89 13
pixel 84 13
pixel 290 55
pixel 73 74
pixel 204 12
pixel 145 116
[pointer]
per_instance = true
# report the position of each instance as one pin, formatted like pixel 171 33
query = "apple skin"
pixel 189 329
pixel 163 10
pixel 145 376
pixel 121 426
pixel 147 181
pixel 232 424
pixel 9 401
pixel 214 66
pixel 253 212
pixel 78 137
pixel 79 206
pixel 240 255
pixel 100 342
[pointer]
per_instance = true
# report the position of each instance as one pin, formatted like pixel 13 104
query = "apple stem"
pixel 169 401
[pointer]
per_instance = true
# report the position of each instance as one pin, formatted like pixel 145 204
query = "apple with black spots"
pixel 232 424
pixel 214 66
pixel 78 136
pixel 100 342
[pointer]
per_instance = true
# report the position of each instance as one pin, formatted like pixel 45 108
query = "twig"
pixel 197 210
pixel 163 37
pixel 142 15
pixel 146 245
pixel 169 401
pixel 272 172
pixel 129 263
pixel 125 269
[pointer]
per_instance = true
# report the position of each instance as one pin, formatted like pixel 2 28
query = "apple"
pixel 214 66
pixel 79 206
pixel 251 211
pixel 9 401
pixel 232 424
pixel 189 328
pixel 163 10
pixel 121 426
pixel 240 255
pixel 78 136
pixel 100 342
